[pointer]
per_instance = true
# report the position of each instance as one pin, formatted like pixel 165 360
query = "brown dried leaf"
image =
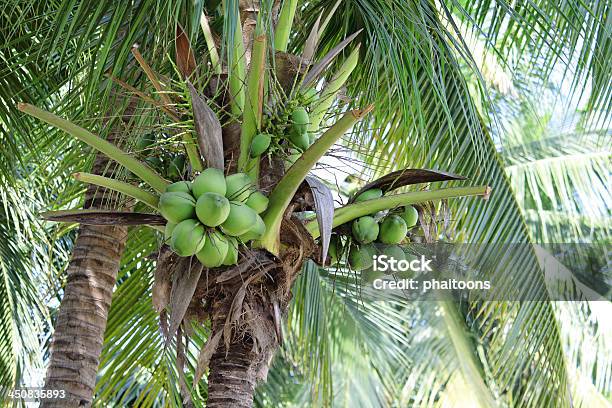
pixel 205 355
pixel 103 217
pixel 310 46
pixel 184 283
pixel 147 98
pixel 208 127
pixel 233 315
pixel 153 77
pixel 180 367
pixel 259 329
pixel 185 59
pixel 324 207
pixel 163 323
pixel 405 177
pixel 278 326
pixel 236 309
pixel 162 282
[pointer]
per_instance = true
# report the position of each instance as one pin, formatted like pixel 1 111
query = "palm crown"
pixel 243 74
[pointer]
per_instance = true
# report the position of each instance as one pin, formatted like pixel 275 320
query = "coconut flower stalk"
pixel 351 212
pixel 237 71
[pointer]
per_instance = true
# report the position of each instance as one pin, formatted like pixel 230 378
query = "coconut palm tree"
pixel 211 76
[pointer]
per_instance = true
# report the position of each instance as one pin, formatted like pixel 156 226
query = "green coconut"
pixel 369 275
pixel 188 237
pixel 154 162
pixel 211 180
pixel 179 186
pixel 360 257
pixel 176 167
pixel 258 202
pixel 365 229
pixel 239 187
pixel 145 142
pixel 232 252
pixel 214 251
pixel 392 230
pixel 168 232
pixel 393 251
pixel 335 248
pixel 260 144
pixel 300 120
pixel 369 195
pixel 255 232
pixel 177 206
pixel 410 216
pixel 212 209
pixel 240 220
pixel 299 140
pixel 409 273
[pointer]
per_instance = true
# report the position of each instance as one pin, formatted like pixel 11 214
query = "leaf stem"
pixel 146 173
pixel 210 43
pixel 237 72
pixel 254 104
pixel 352 211
pixel 328 94
pixel 284 191
pixel 122 187
pixel 284 25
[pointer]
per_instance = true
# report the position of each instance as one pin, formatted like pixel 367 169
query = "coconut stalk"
pixel 283 193
pixel 152 76
pixel 328 95
pixel 352 211
pixel 251 121
pixel 210 44
pixel 140 169
pixel 284 25
pixel 119 186
pixel 237 74
pixel 193 154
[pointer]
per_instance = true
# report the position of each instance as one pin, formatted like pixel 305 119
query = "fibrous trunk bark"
pixel 231 382
pixel 81 321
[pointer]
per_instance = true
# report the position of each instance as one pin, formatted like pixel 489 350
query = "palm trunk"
pixel 231 382
pixel 79 328
pixel 80 325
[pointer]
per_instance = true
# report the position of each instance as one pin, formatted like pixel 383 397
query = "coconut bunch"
pixel 171 165
pixel 387 231
pixel 211 215
pixel 290 128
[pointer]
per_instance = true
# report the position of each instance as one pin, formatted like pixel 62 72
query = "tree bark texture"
pixel 232 377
